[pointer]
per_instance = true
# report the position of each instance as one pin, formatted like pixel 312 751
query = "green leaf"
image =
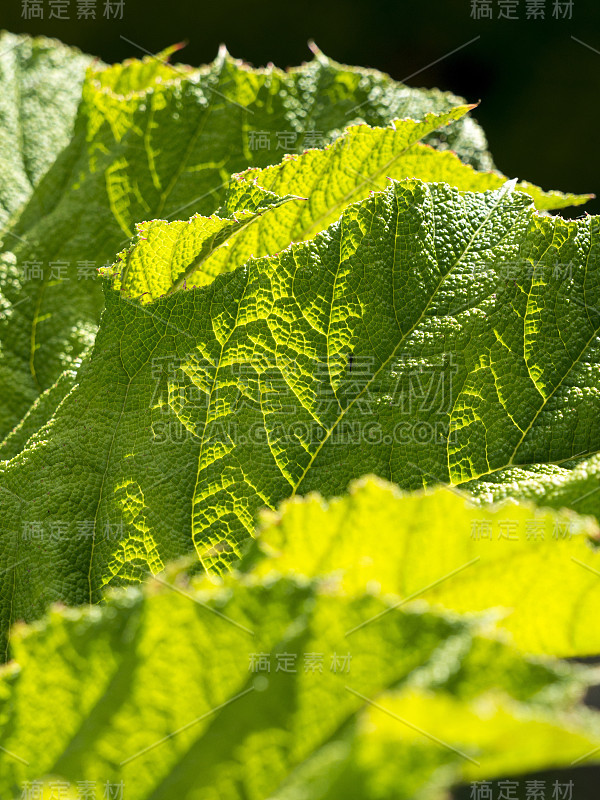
pixel 323 183
pixel 164 255
pixel 523 561
pixel 223 691
pixel 362 160
pixel 155 141
pixel 40 87
pixel 391 343
pixel 167 256
pixel 389 754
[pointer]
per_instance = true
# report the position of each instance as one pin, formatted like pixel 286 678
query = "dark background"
pixel 539 89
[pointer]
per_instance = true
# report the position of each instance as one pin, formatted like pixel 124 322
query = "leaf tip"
pixel 509 186
pixel 180 45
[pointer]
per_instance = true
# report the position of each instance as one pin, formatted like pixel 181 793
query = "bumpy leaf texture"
pixel 575 485
pixel 150 141
pixel 530 564
pixel 322 182
pixel 257 689
pixel 393 343
pixel 40 88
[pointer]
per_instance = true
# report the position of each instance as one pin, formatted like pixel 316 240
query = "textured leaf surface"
pixel 576 486
pixel 324 183
pixel 156 141
pixel 159 688
pixel 364 158
pixel 40 87
pixel 168 256
pixel 390 344
pixel 38 415
pixel 523 562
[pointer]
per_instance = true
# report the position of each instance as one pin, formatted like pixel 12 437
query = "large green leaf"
pixel 40 87
pixel 323 182
pixel 223 691
pixel 155 141
pixel 523 562
pixel 390 343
